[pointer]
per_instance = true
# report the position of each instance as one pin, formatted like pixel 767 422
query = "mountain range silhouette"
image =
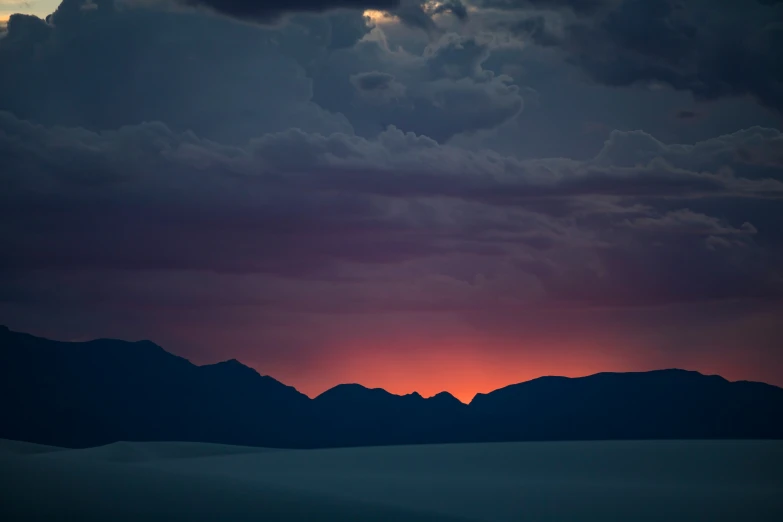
pixel 81 394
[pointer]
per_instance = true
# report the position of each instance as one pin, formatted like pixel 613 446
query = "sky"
pixel 453 195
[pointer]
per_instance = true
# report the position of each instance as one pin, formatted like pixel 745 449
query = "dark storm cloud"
pixel 372 81
pixel 93 69
pixel 302 205
pixel 730 53
pixel 713 49
pixel 685 114
pixel 579 6
pixel 447 91
pixel 455 7
pixel 108 67
pixel 412 13
pixel 536 29
pixel 455 56
pixel 266 11
pixel 147 143
pixel 409 12
pixel 375 87
pixel 754 151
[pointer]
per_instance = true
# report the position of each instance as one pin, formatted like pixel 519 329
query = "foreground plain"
pixel 532 481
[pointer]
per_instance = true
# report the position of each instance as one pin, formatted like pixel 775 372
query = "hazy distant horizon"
pixel 465 399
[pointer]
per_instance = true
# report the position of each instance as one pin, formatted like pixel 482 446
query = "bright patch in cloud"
pixel 380 17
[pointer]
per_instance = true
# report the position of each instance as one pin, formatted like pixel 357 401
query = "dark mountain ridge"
pixel 96 392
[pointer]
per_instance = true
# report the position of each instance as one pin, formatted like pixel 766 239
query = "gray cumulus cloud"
pixel 302 204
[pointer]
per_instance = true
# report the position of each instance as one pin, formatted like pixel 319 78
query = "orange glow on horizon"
pixel 429 355
pixel 460 370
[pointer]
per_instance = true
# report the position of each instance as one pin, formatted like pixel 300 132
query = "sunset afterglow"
pixel 419 196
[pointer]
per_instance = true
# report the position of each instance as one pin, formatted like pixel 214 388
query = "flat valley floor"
pixel 630 481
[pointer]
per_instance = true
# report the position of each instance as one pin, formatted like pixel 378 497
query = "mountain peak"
pixel 147 342
pixel 445 397
pixel 149 345
pixel 231 365
pixel 351 390
pixel 152 394
pixel 231 362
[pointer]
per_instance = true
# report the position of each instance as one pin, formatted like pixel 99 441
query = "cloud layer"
pixel 322 187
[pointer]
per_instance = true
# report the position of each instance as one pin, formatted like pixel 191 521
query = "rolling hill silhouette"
pixel 91 393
